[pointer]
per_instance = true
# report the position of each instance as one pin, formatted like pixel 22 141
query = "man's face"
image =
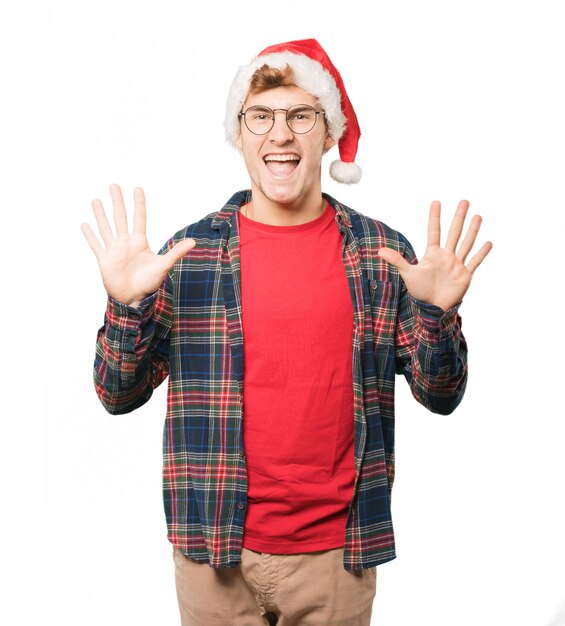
pixel 284 167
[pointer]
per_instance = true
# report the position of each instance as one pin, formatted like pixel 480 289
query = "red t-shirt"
pixel 298 390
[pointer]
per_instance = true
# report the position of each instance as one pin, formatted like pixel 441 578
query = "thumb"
pixel 394 258
pixel 178 251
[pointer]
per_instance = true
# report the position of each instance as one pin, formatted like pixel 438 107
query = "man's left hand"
pixel 441 277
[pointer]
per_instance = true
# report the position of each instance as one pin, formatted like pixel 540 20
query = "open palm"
pixel 441 277
pixel 130 270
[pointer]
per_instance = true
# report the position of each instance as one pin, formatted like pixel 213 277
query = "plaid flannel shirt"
pixel 191 331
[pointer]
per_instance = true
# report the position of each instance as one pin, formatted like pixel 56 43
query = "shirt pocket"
pixel 383 307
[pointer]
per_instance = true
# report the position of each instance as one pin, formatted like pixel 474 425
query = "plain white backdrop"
pixel 455 100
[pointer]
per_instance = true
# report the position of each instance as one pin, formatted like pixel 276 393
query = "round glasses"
pixel 300 118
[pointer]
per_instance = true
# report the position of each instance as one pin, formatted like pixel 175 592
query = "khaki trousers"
pixel 311 589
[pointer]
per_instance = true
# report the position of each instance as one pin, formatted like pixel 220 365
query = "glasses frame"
pixel 273 111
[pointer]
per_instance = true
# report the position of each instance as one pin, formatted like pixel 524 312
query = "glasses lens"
pixel 301 118
pixel 259 119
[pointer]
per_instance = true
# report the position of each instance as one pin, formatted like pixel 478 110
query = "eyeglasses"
pixel 300 118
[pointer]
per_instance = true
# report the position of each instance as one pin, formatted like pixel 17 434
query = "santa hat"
pixel 316 74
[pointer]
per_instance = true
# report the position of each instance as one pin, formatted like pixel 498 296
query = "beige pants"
pixel 311 589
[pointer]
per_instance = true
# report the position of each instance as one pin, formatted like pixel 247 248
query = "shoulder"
pixel 201 231
pixel 210 229
pixel 374 234
pixel 201 228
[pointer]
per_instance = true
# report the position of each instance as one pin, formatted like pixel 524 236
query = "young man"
pixel 281 321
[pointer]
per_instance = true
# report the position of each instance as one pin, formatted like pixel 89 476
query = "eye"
pixel 301 114
pixel 259 114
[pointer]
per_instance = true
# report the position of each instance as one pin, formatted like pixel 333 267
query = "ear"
pixel 329 142
pixel 238 139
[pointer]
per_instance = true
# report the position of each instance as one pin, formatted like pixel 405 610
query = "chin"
pixel 280 195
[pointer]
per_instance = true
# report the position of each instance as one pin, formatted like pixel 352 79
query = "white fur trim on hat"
pixel 348 173
pixel 309 75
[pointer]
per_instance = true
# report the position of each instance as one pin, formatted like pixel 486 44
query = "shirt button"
pixel 242 455
pixel 240 506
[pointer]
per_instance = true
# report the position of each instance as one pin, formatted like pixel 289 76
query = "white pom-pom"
pixel 348 173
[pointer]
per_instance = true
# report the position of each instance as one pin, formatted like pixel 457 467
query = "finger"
pixel 479 257
pixel 102 222
pixel 394 258
pixel 120 215
pixel 93 242
pixel 139 211
pixel 178 251
pixel 434 227
pixel 470 237
pixel 456 227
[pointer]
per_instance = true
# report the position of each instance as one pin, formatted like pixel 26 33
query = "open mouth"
pixel 281 165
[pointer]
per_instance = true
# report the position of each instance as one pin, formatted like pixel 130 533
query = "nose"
pixel 280 133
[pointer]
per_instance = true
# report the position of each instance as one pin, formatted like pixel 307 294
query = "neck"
pixel 267 211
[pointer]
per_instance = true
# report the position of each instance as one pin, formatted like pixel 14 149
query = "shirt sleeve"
pixel 431 350
pixel 132 350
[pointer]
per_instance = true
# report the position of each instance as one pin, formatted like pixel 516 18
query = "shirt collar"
pixel 234 204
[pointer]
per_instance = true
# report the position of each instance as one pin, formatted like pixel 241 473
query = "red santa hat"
pixel 316 74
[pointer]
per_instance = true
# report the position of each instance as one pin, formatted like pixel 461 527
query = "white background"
pixel 455 100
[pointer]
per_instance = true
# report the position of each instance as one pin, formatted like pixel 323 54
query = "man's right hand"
pixel 130 271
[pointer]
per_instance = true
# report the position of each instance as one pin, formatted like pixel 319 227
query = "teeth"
pixel 282 157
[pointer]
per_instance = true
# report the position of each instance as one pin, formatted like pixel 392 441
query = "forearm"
pixel 131 355
pixel 437 366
